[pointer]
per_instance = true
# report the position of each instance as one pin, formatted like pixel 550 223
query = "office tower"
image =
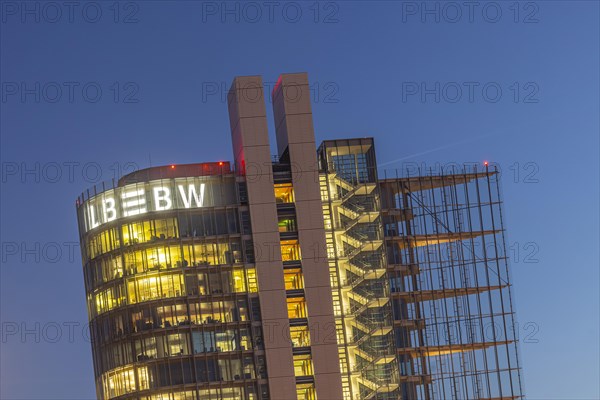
pixel 305 275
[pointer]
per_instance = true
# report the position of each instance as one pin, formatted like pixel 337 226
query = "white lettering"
pixel 187 201
pixel 109 209
pixel 129 201
pixel 164 197
pixel 135 206
pixel 92 214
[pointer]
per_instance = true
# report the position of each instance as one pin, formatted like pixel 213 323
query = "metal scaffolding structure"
pixel 450 285
pixel 420 280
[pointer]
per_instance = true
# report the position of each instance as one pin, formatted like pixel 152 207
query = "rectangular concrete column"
pixel 294 128
pixel 247 116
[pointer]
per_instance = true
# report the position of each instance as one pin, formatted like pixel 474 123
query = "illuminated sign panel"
pixel 161 195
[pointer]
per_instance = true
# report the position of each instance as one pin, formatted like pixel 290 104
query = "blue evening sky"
pixel 147 83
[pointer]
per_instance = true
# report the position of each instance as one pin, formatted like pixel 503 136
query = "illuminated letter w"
pixel 192 195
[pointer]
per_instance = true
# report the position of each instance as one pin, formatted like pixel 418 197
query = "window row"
pixel 130 379
pixel 237 280
pixel 115 355
pixel 157 316
pixel 105 269
pixel 149 230
pixel 247 392
pixel 154 286
pixel 209 222
pixel 130 234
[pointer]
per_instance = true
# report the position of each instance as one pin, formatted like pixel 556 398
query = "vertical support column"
pixel 247 116
pixel 296 139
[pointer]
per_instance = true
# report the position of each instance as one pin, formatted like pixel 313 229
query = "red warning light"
pixel 485 163
pixel 172 167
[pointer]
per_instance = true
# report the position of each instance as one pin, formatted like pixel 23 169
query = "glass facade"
pixel 169 292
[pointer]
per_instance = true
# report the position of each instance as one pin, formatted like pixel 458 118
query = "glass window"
pixel 108 299
pixel 290 250
pixel 287 223
pixel 203 342
pixel 300 336
pixel 218 311
pixel 158 258
pixel 187 395
pixel 233 225
pixel 306 391
pixel 220 222
pixel 225 340
pixel 208 253
pixel 177 344
pixel 218 282
pixel 122 381
pixel 153 287
pixel 352 167
pixel 142 319
pixel 146 349
pixel 246 226
pixel 303 365
pixel 135 262
pixel 296 307
pixel 172 315
pixel 239 281
pixel 284 193
pixel 293 279
pixel 228 340
pixel 252 281
pixel 166 228
pixel 137 232
pixel 103 242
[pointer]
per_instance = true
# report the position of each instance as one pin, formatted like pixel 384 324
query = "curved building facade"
pixel 169 295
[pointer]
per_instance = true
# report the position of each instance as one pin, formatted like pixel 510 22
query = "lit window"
pixel 178 344
pixel 293 279
pixel 296 307
pixel 306 391
pixel 284 193
pixel 252 281
pixel 108 299
pixel 290 250
pixel 300 336
pixel 103 242
pixel 287 224
pixel 153 287
pixel 303 365
pixel 121 381
pixel 239 282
